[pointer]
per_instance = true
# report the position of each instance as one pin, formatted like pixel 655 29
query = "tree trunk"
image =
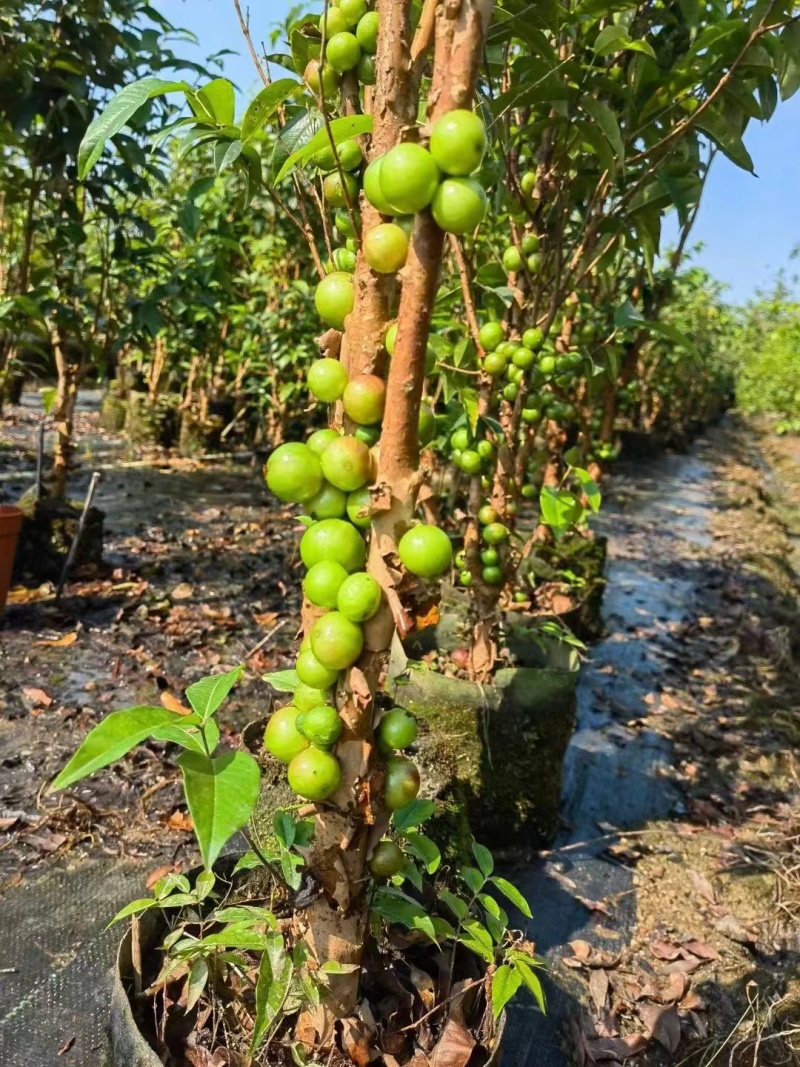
pixel 63 414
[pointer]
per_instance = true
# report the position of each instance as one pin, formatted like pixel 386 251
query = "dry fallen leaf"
pixel 665 950
pixel 180 820
pixel 154 876
pixel 702 886
pixel 663 1024
pixel 172 703
pixel 598 988
pixel 701 949
pixel 454 1048
pixel 60 642
pixel 182 591
pixel 38 696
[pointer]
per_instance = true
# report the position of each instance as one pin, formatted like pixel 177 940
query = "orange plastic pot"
pixel 10 523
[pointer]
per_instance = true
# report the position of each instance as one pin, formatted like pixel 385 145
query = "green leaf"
pixel 455 904
pixel 204 884
pixel 641 46
pixel 196 983
pixel 264 106
pixel 505 983
pixel 334 967
pixel 117 734
pixel 394 906
pixel 116 114
pixel 283 681
pixel 219 96
pixel 590 488
pixel 413 814
pixel 526 972
pixel 272 987
pixel 341 129
pixel 477 939
pixel 293 136
pixel 134 908
pixel 245 913
pixel 207 695
pixel 184 732
pixel 473 878
pixel 611 39
pixel 239 935
pixel 560 508
pixel 607 121
pixel 425 850
pixel 221 793
pixel 483 857
pixel 226 153
pixel 726 137
pixel 510 892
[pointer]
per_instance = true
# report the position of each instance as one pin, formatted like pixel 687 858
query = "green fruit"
pixel 370 435
pixel 353 10
pixel 336 641
pixel 349 153
pixel 425 551
pixel 335 21
pixel 470 461
pixel 333 539
pixel 427 424
pixel 365 70
pixel 495 363
pixel 459 205
pixel 490 336
pixel 494 533
pixel 512 259
pixel 358 505
pixel 327 379
pixel 321 725
pixel 530 244
pixel 385 248
pixel 343 51
pixel 387 860
pixel 511 392
pixel 465 578
pixel 408 178
pixel 511 508
pixel 460 438
pixel 320 439
pixel 397 730
pixel 311 672
pixel 334 298
pixel 367 32
pixel 547 365
pixel 359 597
pixel 340 193
pixel 329 503
pixel 528 183
pixel 343 260
pixel 528 492
pixel 346 463
pixel 492 575
pixel 523 357
pixel 323 581
pixel 401 783
pixel 485 449
pixel 364 399
pixel 373 190
pixel 344 224
pixel 490 557
pixel 282 739
pixel 533 338
pixel 487 515
pixel 520 597
pixel 390 339
pixel 294 473
pixel 328 83
pixel 314 774
pixel 534 263
pixel 305 697
pixel 531 415
pixel 458 142
pixel 515 374
pixel 460 559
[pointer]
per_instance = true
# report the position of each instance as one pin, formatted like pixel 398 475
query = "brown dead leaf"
pixel 427 616
pixel 38 696
pixel 182 591
pixel 663 1024
pixel 598 988
pixel 424 985
pixel 172 703
pixel 581 949
pixel 60 642
pixel 615 1049
pixel 562 879
pixel 355 1041
pixel 701 949
pixel 180 820
pixel 266 619
pixel 730 927
pixel 702 886
pixel 46 841
pixel 624 853
pixel 594 906
pixel 156 875
pixel 454 1048
pixel 66 1046
pixel 684 966
pixel 675 988
pixel 665 950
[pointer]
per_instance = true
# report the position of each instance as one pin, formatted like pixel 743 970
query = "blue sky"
pixel 748 225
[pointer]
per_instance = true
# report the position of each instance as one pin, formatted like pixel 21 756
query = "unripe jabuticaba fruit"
pixel 458 142
pixel 320 439
pixel 294 473
pixel 311 672
pixel 314 774
pixel 425 551
pixel 427 424
pixel 364 399
pixel 333 21
pixel 397 730
pixel 353 10
pixel 365 71
pixel 367 32
pixel 358 505
pixel 321 725
pixel 359 597
pixel 530 243
pixel 329 503
pixel 490 336
pixel 327 379
pixel 387 860
pixel 336 641
pixel 334 298
pixel 333 539
pixel 459 205
pixel 343 51
pixel 330 79
pixel 373 190
pixel 323 581
pixel 512 259
pixel 339 194
pixel 282 739
pixel 401 784
pixel 305 697
pixel 408 178
pixel 385 248
pixel 346 463
pixel 494 533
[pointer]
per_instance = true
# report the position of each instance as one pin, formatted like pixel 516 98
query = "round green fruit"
pixel 385 248
pixel 367 32
pixel 359 597
pixel 334 21
pixel 339 193
pixel 492 575
pixel 530 244
pixel 490 557
pixel 346 463
pixel 305 697
pixel 534 262
pixel 397 730
pixel 531 415
pixel 327 379
pixel 282 739
pixel 458 142
pixel 320 439
pixel 344 260
pixel 485 449
pixel 523 357
pixel 343 51
pixel 470 461
pixel 358 506
pixel 294 473
pixel 487 515
pixel 425 551
pixel 329 503
pixel 364 399
pixel 321 78
pixel 323 581
pixel 511 392
pixel 390 340
pixel 515 374
pixel 321 725
pixel 336 641
pixel 528 183
pixel 459 205
pixel 495 363
pixel 366 70
pixel 465 578
pixel 409 178
pixel 311 672
pixel 520 597
pixel 427 424
pixel 490 336
pixel 533 338
pixel 344 224
pixel 512 259
pixel 333 539
pixel 495 533
pixel 334 298
pixel 373 190
pixel 370 435
pixel 547 365
pixel 387 860
pixel 401 784
pixel 460 439
pixel 353 10
pixel 314 774
pixel 528 492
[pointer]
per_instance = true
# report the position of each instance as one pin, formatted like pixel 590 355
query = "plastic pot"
pixel 10 523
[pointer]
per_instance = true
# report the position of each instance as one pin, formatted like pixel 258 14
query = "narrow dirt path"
pixel 668 909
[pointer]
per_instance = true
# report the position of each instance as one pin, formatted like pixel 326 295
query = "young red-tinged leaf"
pixel 221 793
pixel 505 983
pixel 117 734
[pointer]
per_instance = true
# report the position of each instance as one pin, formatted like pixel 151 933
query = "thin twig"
pixel 245 24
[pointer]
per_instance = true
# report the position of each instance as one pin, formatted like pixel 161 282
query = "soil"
pixel 668 906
